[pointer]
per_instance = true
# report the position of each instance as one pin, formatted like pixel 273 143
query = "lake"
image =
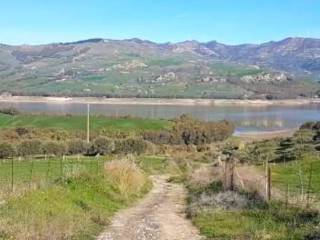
pixel 246 118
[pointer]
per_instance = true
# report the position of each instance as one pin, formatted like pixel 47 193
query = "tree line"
pixel 101 146
pixel 190 131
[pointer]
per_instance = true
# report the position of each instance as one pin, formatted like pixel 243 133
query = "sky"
pixel 227 21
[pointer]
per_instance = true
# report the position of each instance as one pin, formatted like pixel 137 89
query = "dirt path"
pixel 159 216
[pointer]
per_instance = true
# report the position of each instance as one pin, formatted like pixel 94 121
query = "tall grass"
pixel 78 206
pixel 126 175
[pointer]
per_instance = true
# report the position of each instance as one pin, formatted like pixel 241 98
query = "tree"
pixel 29 148
pixel 286 151
pixel 6 150
pixel 102 146
pixel 77 146
pixel 54 148
pixel 130 145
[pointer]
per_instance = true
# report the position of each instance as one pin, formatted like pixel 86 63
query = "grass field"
pixel 296 173
pixel 79 122
pixel 274 222
pixel 77 204
pixel 44 172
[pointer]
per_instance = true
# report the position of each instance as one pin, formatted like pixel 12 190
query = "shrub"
pixel 29 148
pixel 22 131
pixel 9 111
pixel 130 145
pixel 6 150
pixel 102 146
pixel 77 146
pixel 126 175
pixel 196 132
pixel 54 148
pixel 161 137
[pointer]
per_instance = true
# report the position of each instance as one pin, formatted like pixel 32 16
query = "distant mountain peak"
pixel 91 40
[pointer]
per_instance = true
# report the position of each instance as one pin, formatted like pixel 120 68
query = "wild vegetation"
pixel 223 214
pixel 77 206
pixel 141 68
pixel 42 168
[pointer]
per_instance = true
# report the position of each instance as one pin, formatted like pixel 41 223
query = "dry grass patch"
pixel 126 176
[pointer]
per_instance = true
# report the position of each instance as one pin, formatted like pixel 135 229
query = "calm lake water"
pixel 246 118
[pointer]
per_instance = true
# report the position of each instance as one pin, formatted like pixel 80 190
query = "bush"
pixel 77 146
pixel 22 131
pixel 6 150
pixel 54 148
pixel 196 132
pixel 130 145
pixel 9 111
pixel 188 130
pixel 161 137
pixel 29 148
pixel 102 146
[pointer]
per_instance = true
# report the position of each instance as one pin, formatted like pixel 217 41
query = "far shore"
pixel 264 135
pixel 158 101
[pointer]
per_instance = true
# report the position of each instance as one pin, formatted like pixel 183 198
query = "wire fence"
pixel 18 175
pixel 300 189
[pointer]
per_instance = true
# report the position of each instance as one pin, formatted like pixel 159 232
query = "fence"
pixel 18 175
pixel 301 189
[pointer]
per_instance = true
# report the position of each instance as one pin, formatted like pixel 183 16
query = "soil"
pixel 159 216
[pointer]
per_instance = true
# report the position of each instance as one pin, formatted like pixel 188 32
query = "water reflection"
pixel 246 118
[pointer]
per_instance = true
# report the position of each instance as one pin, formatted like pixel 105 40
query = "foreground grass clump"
pixel 74 208
pixel 232 215
pixel 126 175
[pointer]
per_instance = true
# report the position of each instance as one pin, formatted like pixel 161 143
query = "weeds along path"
pixel 159 216
pixel 251 179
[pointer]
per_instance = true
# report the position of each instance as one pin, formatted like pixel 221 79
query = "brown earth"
pixel 159 216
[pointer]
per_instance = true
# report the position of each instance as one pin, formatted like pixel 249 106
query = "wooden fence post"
pixel 287 196
pixel 225 175
pixel 232 175
pixel 61 167
pixel 309 186
pixel 31 172
pixel 268 181
pixel 12 176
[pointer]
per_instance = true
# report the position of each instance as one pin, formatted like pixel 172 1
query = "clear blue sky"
pixel 228 21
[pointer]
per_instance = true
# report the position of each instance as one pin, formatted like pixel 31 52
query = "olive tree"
pixel 102 146
pixel 77 146
pixel 54 148
pixel 29 148
pixel 6 150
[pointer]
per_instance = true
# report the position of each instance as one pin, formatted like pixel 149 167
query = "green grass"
pixel 153 164
pixel 76 122
pixel 224 69
pixel 45 172
pixel 274 223
pixel 74 208
pixel 289 174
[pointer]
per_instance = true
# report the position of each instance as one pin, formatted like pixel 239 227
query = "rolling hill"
pixel 137 68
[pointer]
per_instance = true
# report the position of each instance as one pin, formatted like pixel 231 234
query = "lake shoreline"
pixel 158 101
pixel 264 135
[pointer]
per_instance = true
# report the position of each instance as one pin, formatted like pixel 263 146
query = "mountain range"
pixel 289 68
